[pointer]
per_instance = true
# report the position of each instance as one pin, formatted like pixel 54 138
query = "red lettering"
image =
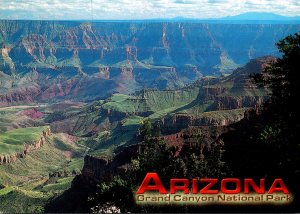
pixel 158 186
pixel 228 185
pixel 231 191
pixel 281 187
pixel 258 189
pixel 195 186
pixel 174 187
pixel 211 182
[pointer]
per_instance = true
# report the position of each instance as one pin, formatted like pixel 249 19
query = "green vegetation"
pixel 231 115
pixel 59 185
pixel 125 103
pixel 75 165
pixel 157 103
pixel 27 187
pixel 282 77
pixel 132 120
pixel 193 100
pixel 14 140
pixel 16 200
pixel 158 100
pixel 39 163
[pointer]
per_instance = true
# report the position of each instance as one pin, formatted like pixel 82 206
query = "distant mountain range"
pixel 261 16
pixel 244 18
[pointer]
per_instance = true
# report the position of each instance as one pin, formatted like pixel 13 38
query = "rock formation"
pixel 67 57
pixel 28 148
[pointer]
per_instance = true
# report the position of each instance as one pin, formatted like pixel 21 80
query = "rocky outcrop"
pixel 126 73
pixel 177 122
pixel 28 148
pixel 5 55
pixel 97 169
pixel 22 95
pixel 104 72
pixel 231 102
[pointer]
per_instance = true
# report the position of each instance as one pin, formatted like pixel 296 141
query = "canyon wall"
pixel 91 46
pixel 55 60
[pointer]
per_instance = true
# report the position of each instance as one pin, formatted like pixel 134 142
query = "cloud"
pixel 184 2
pixel 140 9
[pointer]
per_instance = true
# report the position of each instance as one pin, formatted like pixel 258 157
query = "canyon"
pixel 57 60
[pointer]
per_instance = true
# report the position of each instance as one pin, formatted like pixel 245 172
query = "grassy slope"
pixel 160 103
pixel 41 162
pixel 125 103
pixel 14 140
pixel 27 187
pixel 26 182
pixel 16 200
pixel 19 200
pixel 153 101
pixel 162 100
pixel 187 100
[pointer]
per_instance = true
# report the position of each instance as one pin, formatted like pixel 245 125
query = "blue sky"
pixel 141 9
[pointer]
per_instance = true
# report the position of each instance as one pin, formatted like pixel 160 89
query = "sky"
pixel 140 9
